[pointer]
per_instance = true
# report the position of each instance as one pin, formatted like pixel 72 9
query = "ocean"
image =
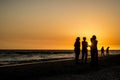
pixel 14 57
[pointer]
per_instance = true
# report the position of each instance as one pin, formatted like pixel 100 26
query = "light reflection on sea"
pixel 18 57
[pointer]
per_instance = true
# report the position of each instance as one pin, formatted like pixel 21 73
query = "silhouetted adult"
pixel 91 51
pixel 107 51
pixel 77 49
pixel 102 51
pixel 94 51
pixel 84 50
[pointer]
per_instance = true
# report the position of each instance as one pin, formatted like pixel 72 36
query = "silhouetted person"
pixel 77 49
pixel 84 50
pixel 107 51
pixel 94 51
pixel 91 51
pixel 102 51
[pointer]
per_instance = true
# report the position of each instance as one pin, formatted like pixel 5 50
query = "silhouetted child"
pixel 102 51
pixel 84 50
pixel 77 49
pixel 107 51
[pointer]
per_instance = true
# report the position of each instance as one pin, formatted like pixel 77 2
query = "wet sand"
pixel 61 69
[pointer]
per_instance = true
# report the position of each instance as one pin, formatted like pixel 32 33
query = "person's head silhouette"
pixel 84 38
pixel 94 37
pixel 78 38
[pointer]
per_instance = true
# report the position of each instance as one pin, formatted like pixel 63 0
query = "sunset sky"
pixel 55 24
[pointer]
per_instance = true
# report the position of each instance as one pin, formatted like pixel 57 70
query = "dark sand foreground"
pixel 42 71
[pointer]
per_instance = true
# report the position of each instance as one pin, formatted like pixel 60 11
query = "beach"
pixel 112 73
pixel 108 69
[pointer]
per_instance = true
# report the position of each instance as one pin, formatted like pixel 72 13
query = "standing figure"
pixel 107 51
pixel 94 51
pixel 102 51
pixel 84 50
pixel 91 51
pixel 77 49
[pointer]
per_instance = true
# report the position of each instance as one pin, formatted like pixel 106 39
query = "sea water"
pixel 12 57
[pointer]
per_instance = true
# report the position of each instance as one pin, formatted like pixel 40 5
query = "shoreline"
pixel 37 61
pixel 36 70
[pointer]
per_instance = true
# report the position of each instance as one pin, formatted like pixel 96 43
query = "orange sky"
pixel 54 24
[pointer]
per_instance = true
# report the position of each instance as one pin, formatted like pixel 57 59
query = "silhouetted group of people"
pixel 93 50
pixel 107 51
